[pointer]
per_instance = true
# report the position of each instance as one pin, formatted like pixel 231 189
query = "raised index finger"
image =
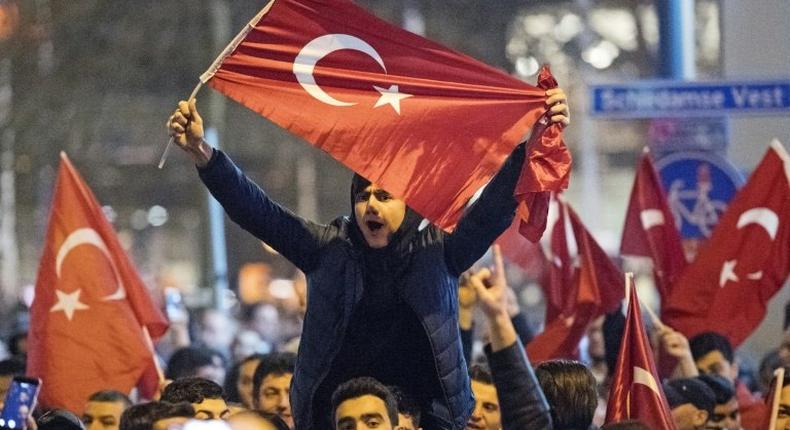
pixel 499 264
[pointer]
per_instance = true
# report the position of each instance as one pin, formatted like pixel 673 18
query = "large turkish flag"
pixel 90 307
pixel 744 263
pixel 426 123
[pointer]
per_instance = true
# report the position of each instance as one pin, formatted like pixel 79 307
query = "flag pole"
pixel 150 343
pixel 779 375
pixel 215 65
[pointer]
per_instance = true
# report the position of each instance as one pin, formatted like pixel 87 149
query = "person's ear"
pixel 700 418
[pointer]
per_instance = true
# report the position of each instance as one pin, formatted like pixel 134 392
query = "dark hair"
pixel 269 417
pixel 406 405
pixel 723 389
pixel 13 343
pixel 570 390
pixel 186 361
pixel 144 415
pixel 191 390
pixel 110 396
pixel 278 363
pixel 12 367
pixel 59 419
pixel 626 425
pixel 232 378
pixel 707 342
pixel 365 386
pixel 481 373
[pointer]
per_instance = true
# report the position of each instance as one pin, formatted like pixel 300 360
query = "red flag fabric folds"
pixel 636 391
pixel 650 229
pixel 744 263
pixel 426 123
pixel 90 304
pixel 596 289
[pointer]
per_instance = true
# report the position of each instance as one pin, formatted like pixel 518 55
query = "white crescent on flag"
pixel 89 236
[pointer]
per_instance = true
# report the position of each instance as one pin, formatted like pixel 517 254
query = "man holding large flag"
pixel 417 122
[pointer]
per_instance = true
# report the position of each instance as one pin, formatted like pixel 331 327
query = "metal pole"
pixel 676 41
pixel 219 256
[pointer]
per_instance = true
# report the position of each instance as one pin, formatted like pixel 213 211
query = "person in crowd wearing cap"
pixel 205 396
pixel 714 354
pixel 103 410
pixel 378 280
pixel 692 403
pixel 725 414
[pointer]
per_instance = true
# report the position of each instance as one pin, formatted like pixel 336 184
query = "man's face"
pixel 274 396
pixel 725 416
pixel 244 383
pixel 486 415
pixel 405 422
pixel 783 419
pixel 688 417
pixel 596 347
pixel 378 214
pixel 714 363
pixel 102 415
pixel 362 413
pixel 211 409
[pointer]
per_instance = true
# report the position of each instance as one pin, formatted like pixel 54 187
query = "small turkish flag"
pixel 636 392
pixel 428 124
pixel 90 306
pixel 596 289
pixel 650 229
pixel 744 263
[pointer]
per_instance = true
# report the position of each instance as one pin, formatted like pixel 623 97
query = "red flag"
pixel 90 306
pixel 597 289
pixel 636 392
pixel 744 263
pixel 650 229
pixel 426 123
pixel 528 256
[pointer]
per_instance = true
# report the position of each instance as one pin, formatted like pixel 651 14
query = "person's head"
pixel 364 403
pixel 238 383
pixel 377 213
pixel 8 369
pixel 216 329
pixel 257 420
pixel 103 410
pixel 596 347
pixel 626 425
pixel 271 384
pixel 205 397
pixel 783 418
pixel 408 410
pixel 196 361
pixel 784 348
pixel 713 353
pixel 59 419
pixel 155 415
pixel 570 390
pixel 725 414
pixel 486 415
pixel 692 402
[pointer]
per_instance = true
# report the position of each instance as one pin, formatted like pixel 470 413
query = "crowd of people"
pixel 385 338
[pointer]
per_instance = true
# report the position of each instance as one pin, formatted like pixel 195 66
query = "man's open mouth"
pixel 374 226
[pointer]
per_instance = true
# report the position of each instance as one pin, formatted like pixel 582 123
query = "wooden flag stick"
pixel 779 375
pixel 166 152
pixel 150 343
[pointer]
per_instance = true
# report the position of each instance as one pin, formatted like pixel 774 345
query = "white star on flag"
pixel 68 303
pixel 728 273
pixel 390 96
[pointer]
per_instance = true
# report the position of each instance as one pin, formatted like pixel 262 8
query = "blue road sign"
pixel 663 99
pixel 698 185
